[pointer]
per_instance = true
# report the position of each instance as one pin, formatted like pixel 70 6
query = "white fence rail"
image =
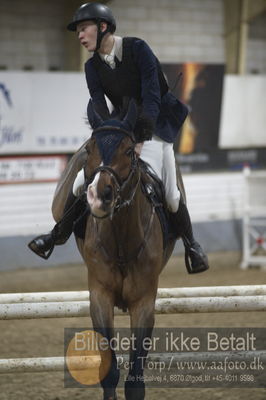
pixel 254 218
pixel 170 300
pixel 70 309
pixel 56 364
pixel 204 291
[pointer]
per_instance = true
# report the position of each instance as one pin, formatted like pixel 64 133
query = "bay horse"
pixel 123 245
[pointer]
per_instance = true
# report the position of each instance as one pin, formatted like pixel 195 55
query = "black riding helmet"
pixel 97 12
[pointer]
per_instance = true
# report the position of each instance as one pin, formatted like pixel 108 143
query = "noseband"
pixel 119 184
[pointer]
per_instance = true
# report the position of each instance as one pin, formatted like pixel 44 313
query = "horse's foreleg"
pixel 102 314
pixel 142 321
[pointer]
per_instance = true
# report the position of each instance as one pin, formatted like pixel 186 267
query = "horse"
pixel 123 245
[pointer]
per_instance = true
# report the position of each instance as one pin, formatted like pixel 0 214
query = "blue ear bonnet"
pixel 108 141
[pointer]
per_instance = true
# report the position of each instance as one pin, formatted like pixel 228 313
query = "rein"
pixel 119 184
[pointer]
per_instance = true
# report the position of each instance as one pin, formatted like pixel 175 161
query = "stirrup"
pixel 32 246
pixel 203 266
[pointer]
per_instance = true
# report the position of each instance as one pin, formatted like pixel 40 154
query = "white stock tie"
pixel 110 60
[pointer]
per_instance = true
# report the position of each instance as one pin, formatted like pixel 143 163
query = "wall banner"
pixel 42 112
pixel 225 128
pixel 33 169
pixel 45 113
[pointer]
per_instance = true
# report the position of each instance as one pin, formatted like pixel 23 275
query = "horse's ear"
pixel 94 118
pixel 131 116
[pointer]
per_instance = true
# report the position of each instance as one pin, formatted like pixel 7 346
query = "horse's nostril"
pixel 107 194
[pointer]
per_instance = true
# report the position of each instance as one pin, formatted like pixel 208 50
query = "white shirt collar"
pixel 116 50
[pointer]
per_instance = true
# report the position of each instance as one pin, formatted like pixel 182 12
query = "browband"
pixel 114 128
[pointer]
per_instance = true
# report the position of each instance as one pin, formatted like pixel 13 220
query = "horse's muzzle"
pixel 101 201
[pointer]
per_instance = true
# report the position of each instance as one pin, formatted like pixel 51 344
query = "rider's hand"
pixel 138 148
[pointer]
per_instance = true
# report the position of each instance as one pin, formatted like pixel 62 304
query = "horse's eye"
pixel 129 151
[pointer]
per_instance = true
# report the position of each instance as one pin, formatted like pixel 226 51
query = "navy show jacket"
pixel 167 112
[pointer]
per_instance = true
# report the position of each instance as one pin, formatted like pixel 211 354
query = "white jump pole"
pixel 163 306
pixel 47 364
pixel 207 291
pixel 53 364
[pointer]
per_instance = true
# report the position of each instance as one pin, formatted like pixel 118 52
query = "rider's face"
pixel 87 34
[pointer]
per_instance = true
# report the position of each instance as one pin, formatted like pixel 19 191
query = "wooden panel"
pixel 214 196
pixel 26 208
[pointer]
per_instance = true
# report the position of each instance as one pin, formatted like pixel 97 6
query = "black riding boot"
pixel 43 245
pixel 195 258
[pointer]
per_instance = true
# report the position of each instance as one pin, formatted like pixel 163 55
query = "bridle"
pixel 120 185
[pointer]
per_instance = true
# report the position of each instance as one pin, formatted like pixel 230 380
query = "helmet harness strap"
pixel 100 34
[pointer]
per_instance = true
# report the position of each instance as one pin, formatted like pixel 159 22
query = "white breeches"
pixel 160 155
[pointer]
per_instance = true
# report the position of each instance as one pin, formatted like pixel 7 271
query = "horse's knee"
pixel 142 313
pixel 101 308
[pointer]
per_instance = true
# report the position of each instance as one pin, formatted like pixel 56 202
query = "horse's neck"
pixel 128 224
pixel 122 238
pixel 131 218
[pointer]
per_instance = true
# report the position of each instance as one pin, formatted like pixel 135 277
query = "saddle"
pixel 153 188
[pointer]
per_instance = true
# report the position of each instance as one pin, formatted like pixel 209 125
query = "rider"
pixel 127 67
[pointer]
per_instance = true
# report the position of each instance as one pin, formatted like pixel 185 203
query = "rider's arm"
pixel 150 88
pixel 94 86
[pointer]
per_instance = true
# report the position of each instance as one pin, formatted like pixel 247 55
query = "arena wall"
pixel 34 37
pixel 214 201
pixel 27 187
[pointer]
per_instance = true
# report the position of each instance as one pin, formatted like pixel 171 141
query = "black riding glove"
pixel 144 128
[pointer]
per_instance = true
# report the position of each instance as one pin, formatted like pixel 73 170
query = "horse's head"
pixel 112 162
